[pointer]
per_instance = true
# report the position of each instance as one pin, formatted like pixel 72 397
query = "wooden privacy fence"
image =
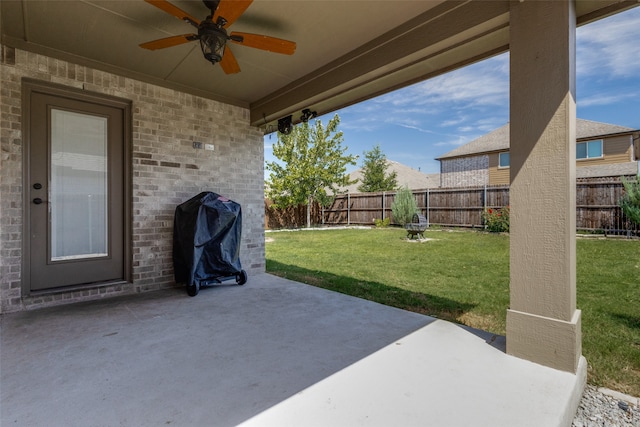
pixel 596 208
pixel 452 207
pixel 291 217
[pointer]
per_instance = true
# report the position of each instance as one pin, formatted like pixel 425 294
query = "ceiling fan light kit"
pixel 213 36
pixel 213 40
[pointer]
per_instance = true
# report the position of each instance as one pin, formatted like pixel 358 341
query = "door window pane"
pixel 78 186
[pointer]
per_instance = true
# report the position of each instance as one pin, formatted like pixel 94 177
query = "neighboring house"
pixel 602 150
pixel 414 179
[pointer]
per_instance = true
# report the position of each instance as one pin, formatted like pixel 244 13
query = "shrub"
pixel 630 202
pixel 381 223
pixel 404 206
pixel 496 220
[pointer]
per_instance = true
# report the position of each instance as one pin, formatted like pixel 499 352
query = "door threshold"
pixel 74 288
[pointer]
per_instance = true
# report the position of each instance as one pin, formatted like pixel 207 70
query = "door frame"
pixel 30 86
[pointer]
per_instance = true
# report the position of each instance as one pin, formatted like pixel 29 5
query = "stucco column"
pixel 543 324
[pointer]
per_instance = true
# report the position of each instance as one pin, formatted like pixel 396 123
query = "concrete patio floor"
pixel 270 353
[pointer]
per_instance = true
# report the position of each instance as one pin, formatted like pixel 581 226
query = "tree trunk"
pixel 309 212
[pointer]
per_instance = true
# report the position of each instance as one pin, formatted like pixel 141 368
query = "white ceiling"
pixel 347 50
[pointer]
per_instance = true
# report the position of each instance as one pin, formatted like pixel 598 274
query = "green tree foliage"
pixel 630 202
pixel 312 161
pixel 404 206
pixel 374 172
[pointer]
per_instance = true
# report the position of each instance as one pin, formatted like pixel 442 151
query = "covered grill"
pixel 206 242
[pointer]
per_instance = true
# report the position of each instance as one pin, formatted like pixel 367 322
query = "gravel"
pixel 601 410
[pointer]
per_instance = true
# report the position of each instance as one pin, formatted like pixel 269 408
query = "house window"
pixel 504 160
pixel 589 149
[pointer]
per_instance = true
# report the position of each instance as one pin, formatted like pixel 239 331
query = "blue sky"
pixel 416 124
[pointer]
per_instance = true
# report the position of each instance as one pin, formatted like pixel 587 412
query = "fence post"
pixel 484 202
pixel 348 208
pixel 426 204
pixel 322 221
pixel 383 197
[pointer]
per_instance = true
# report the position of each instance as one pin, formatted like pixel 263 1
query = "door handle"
pixel 37 200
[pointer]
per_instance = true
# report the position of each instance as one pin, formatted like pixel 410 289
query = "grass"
pixel 463 276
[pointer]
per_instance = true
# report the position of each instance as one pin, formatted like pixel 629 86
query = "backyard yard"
pixel 463 277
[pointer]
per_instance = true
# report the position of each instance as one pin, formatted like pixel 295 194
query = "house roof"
pixel 615 169
pixel 347 51
pixel 498 140
pixel 408 176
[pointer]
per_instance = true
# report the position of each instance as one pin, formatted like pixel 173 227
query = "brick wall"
pixel 166 170
pixel 464 172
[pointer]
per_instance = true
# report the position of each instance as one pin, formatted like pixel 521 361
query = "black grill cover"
pixel 206 239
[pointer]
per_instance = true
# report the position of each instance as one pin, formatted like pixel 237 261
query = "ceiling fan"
pixel 213 36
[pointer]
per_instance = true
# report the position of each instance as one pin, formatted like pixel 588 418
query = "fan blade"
pixel 175 11
pixel 231 10
pixel 229 63
pixel 267 43
pixel 169 41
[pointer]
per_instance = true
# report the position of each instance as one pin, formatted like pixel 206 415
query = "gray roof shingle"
pixel 498 139
pixel 614 169
pixel 408 176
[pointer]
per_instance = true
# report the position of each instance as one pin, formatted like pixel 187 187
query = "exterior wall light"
pixel 285 126
pixel 307 115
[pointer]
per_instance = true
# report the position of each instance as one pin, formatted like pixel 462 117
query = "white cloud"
pixel 466 128
pixel 455 141
pixel 490 123
pixel 415 127
pixel 610 47
pixel 606 99
pixel 421 106
pixel 454 122
pixel 462 89
pixel 368 123
pixel 479 126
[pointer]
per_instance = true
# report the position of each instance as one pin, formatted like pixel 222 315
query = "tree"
pixel 630 202
pixel 404 206
pixel 374 172
pixel 312 162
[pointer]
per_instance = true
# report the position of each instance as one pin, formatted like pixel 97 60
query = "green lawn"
pixel 463 276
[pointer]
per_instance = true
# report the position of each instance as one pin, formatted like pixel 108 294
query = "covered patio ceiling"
pixel 347 51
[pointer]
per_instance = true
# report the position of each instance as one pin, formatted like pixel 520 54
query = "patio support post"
pixel 543 324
